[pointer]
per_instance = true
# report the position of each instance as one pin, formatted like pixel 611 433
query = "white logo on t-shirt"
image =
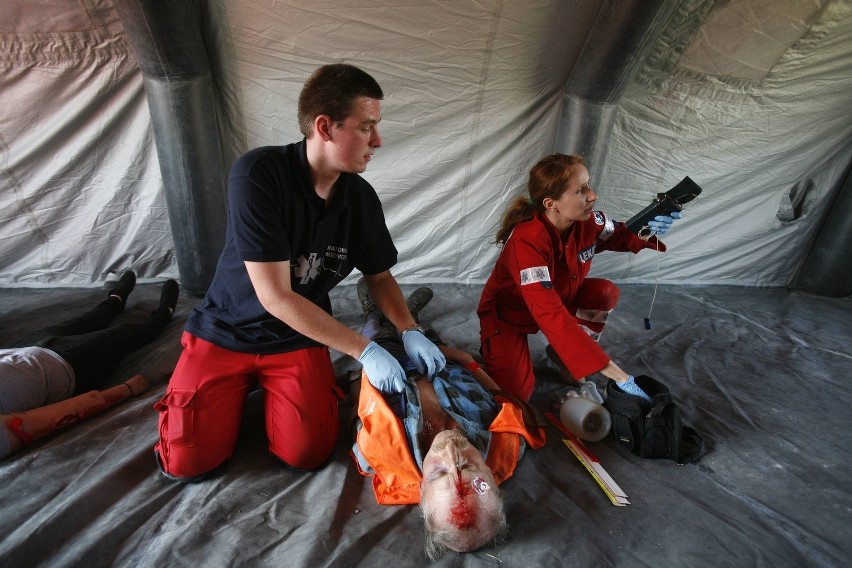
pixel 308 268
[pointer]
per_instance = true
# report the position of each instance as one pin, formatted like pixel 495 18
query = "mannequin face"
pixel 458 488
pixel 575 203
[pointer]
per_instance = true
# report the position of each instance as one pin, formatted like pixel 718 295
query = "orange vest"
pixel 383 443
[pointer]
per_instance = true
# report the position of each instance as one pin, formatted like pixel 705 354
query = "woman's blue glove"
pixel 630 387
pixel 426 356
pixel 663 223
pixel 383 370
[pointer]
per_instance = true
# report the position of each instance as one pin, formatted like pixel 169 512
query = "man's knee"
pixel 304 439
pixel 177 478
pixel 188 463
pixel 307 456
pixel 195 438
pixel 301 408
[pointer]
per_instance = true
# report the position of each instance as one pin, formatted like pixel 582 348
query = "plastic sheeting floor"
pixel 761 373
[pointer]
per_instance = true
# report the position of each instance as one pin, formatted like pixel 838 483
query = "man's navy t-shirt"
pixel 274 214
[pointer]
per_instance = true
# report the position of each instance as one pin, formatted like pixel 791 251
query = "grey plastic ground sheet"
pixel 761 373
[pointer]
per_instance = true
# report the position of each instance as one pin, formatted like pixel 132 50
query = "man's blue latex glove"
pixel 425 354
pixel 630 387
pixel 383 370
pixel 663 223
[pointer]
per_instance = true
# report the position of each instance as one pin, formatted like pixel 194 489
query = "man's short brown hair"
pixel 331 90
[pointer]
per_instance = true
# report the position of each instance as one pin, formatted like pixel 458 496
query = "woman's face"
pixel 575 203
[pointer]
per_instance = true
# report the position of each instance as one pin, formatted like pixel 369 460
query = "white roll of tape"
pixel 586 419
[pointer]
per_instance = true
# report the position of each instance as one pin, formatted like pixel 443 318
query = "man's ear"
pixel 323 126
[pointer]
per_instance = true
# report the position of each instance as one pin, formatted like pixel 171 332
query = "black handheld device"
pixel 665 204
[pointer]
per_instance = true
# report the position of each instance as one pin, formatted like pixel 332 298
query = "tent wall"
pixel 81 194
pixel 472 98
pixel 475 94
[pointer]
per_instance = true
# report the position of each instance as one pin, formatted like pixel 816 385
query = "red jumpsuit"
pixel 539 284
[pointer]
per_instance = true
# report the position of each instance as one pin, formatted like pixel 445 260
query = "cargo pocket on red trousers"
pixel 177 417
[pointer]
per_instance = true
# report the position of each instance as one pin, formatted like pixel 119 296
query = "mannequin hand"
pixel 425 354
pixel 384 372
pixel 630 387
pixel 663 223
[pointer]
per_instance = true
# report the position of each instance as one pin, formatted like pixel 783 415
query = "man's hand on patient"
pixel 382 369
pixel 425 354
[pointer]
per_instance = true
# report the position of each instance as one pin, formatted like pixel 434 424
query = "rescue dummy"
pixel 445 444
pixel 74 359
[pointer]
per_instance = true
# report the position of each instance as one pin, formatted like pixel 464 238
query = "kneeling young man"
pixel 300 219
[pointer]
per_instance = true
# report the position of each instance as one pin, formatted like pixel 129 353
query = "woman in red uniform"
pixel 539 282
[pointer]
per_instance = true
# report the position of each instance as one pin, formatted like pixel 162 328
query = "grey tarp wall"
pixel 750 98
pixel 762 373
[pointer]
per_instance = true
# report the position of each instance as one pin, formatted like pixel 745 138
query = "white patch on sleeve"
pixel 535 274
pixel 609 228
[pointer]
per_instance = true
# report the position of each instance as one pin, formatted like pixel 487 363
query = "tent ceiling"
pixel 745 39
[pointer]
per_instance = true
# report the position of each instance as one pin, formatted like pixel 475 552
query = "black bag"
pixel 652 429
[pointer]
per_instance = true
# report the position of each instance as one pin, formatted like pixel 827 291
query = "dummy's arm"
pixel 26 427
pixel 532 417
pixel 466 360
